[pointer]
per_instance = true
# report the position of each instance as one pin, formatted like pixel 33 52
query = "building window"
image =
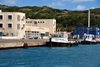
pixel 26 21
pixel 1 17
pixel 40 21
pixel 18 18
pixel 18 26
pixel 9 25
pixel 47 34
pixel 30 21
pixel 35 22
pixel 23 18
pixel 1 25
pixel 9 17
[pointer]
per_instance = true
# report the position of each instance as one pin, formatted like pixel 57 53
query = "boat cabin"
pixel 59 35
pixel 88 37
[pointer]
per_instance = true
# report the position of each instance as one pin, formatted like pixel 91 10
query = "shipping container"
pixel 80 28
pixel 98 29
pixel 74 32
pixel 86 30
pixel 80 36
pixel 93 28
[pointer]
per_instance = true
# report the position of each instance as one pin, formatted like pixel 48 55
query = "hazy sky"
pixel 59 4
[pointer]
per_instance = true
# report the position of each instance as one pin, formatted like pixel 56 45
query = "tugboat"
pixel 88 39
pixel 61 40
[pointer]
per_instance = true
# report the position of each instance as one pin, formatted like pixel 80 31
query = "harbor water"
pixel 79 56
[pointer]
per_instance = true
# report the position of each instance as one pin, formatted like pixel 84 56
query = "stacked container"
pixel 86 30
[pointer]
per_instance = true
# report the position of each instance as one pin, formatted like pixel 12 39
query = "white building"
pixel 12 24
pixel 40 27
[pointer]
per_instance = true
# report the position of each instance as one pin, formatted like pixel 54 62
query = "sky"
pixel 58 4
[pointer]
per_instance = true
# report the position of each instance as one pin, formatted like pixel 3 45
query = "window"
pixel 40 21
pixel 9 17
pixel 1 25
pixel 30 21
pixel 47 34
pixel 35 22
pixel 9 25
pixel 18 26
pixel 1 17
pixel 18 18
pixel 23 26
pixel 23 18
pixel 26 21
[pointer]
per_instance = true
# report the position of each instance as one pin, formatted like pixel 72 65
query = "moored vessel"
pixel 88 39
pixel 61 40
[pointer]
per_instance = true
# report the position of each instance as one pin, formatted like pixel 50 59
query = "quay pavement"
pixel 21 40
pixel 21 43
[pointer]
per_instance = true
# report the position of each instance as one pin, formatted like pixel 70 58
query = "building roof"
pixel 12 12
pixel 40 19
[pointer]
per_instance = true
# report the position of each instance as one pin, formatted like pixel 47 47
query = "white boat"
pixel 88 39
pixel 61 40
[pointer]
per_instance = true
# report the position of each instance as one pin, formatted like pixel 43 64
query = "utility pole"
pixel 88 18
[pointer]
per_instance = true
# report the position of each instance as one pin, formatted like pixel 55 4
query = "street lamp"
pixel 88 18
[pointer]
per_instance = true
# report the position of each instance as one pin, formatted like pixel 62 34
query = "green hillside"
pixel 65 18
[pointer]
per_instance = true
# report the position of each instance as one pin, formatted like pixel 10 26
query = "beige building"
pixel 12 24
pixel 40 27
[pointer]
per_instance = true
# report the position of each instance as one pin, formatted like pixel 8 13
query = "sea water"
pixel 79 56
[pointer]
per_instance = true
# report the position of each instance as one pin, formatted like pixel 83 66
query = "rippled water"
pixel 79 56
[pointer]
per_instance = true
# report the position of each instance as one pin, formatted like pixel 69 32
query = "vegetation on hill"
pixel 66 19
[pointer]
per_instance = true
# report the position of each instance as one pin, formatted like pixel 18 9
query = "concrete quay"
pixel 24 43
pixel 21 43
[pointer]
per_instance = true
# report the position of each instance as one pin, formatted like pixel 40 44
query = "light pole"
pixel 89 18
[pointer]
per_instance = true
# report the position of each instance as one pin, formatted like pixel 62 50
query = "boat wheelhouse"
pixel 88 39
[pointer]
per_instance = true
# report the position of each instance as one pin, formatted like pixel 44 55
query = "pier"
pixel 25 43
pixel 21 43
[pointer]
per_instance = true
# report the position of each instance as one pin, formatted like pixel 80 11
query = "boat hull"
pixel 59 44
pixel 88 42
